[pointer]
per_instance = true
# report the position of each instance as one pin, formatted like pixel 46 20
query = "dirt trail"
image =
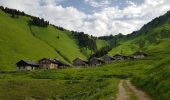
pixel 123 93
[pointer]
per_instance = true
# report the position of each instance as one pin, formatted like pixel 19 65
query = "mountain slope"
pixel 154 39
pixel 153 36
pixel 61 41
pixel 18 42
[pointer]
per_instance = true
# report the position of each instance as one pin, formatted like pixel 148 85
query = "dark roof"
pixel 27 62
pixel 46 59
pixel 55 61
pixel 97 59
pixel 107 56
pixel 140 53
pixel 81 60
pixel 60 63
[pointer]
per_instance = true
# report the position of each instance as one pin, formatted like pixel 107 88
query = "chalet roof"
pixel 27 62
pixel 107 56
pixel 140 53
pixel 60 63
pixel 80 59
pixel 46 59
pixel 95 58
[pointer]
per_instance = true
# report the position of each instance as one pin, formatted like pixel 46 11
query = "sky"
pixel 94 17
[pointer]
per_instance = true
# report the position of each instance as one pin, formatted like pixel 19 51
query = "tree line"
pixel 114 40
pixel 39 22
pixel 16 13
pixel 13 12
pixel 103 51
pixel 84 40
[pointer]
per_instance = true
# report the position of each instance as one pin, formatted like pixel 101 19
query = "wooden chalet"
pixel 78 62
pixel 27 65
pixel 46 63
pixel 108 59
pixel 94 61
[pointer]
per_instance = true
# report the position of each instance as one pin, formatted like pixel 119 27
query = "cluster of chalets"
pixel 94 61
pixel 78 62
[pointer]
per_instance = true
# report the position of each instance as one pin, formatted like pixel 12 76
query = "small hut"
pixel 108 59
pixel 139 55
pixel 48 64
pixel 27 65
pixel 94 61
pixel 78 62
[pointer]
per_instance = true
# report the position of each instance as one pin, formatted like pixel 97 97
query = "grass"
pixel 156 81
pixel 23 41
pixel 89 83
pixel 72 83
pixel 18 43
pixel 63 44
pixel 57 89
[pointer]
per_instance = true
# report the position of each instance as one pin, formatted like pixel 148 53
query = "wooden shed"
pixel 108 59
pixel 46 63
pixel 94 61
pixel 26 65
pixel 78 62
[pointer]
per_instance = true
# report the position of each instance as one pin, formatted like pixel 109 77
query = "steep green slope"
pixel 19 40
pixel 61 41
pixel 151 35
pixel 155 41
pixel 17 43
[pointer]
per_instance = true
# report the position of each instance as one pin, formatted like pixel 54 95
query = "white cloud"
pixel 109 20
pixel 98 3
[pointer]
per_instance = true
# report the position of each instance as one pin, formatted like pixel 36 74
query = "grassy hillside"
pixel 17 43
pixel 154 39
pixel 61 41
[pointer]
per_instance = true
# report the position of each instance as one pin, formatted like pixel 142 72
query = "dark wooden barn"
pixel 61 64
pixel 46 63
pixel 108 59
pixel 78 62
pixel 94 61
pixel 27 65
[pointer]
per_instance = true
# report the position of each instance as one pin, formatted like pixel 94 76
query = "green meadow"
pixel 150 74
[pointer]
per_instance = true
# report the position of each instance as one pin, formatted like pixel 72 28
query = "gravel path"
pixel 123 94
